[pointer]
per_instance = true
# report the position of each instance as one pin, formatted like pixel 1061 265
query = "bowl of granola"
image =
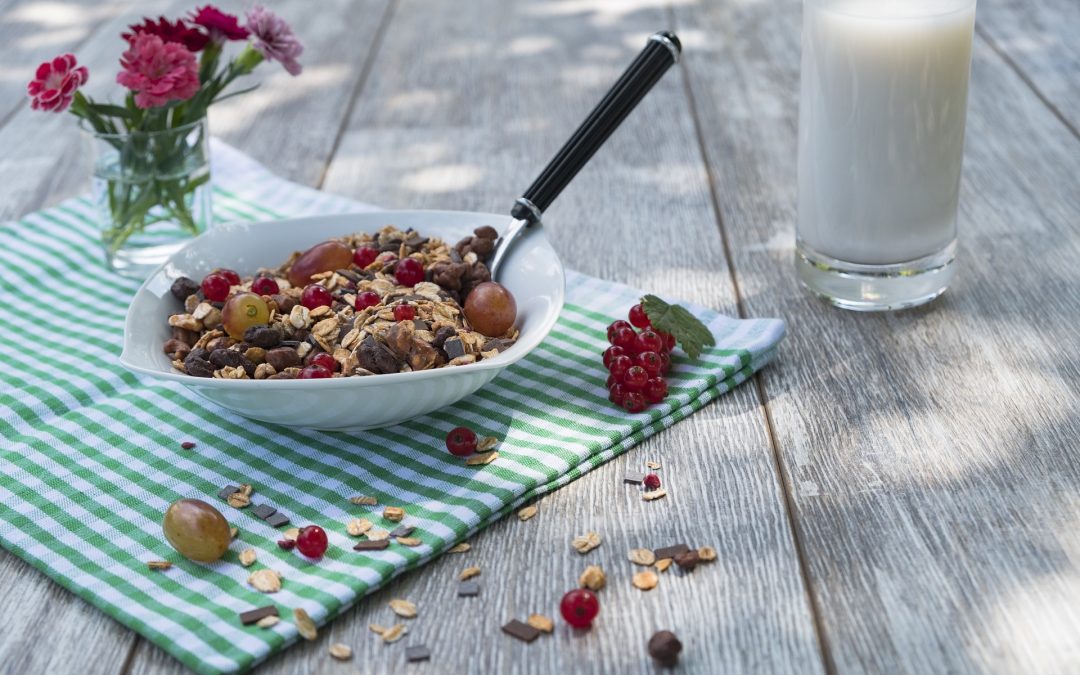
pixel 343 322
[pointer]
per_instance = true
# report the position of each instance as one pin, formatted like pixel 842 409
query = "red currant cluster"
pixel 637 362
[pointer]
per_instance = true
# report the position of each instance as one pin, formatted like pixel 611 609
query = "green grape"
pixel 243 311
pixel 197 530
pixel 491 309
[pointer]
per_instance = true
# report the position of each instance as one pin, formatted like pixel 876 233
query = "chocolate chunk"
pixel 196 365
pixel 266 337
pixel 263 511
pixel 377 357
pixel 442 335
pixel 252 615
pixel 226 491
pixel 420 324
pixel 402 530
pixel 521 631
pixel 687 560
pixel 634 478
pixel 371 545
pixel 670 551
pixel 453 347
pixel 665 648
pixel 221 358
pixel 486 232
pixel 498 344
pixel 282 357
pixel 284 303
pixel 415 653
pixel 277 520
pixel 183 287
pixel 416 241
pixel 468 589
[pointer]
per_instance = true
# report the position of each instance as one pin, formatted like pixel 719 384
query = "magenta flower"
pixel 220 25
pixel 55 82
pixel 274 39
pixel 169 31
pixel 158 71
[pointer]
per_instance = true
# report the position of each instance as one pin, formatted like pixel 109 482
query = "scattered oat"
pixel 393 513
pixel 357 526
pixel 642 556
pixel 469 573
pixel 486 443
pixel 707 553
pixel 654 494
pixel 361 500
pixel 527 512
pixel 291 534
pixel 409 541
pixel 459 548
pixel 234 532
pixel 485 458
pixel 394 633
pixel 646 580
pixel 541 623
pixel 376 628
pixel 662 564
pixel 266 581
pixel 304 624
pixel 340 652
pixel 247 557
pixel 403 608
pixel 592 578
pixel 377 535
pixel 652 465
pixel 586 542
pixel 268 621
pixel 238 500
pixel 159 564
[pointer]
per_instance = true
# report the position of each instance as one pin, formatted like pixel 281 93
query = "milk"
pixel 881 128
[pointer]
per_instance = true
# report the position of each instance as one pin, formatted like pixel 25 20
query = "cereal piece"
pixel 408 541
pixel 378 535
pixel 527 512
pixel 469 573
pixel 361 500
pixel 642 556
pixel 486 443
pixel 585 542
pixel 394 633
pixel 268 621
pixel 459 548
pixel 592 578
pixel 393 513
pixel 521 631
pixel 707 553
pixel 646 580
pixel 234 532
pixel 266 581
pixel 541 623
pixel 340 652
pixel 468 589
pixel 486 458
pixel 159 564
pixel 357 526
pixel 414 653
pixel 291 534
pixel 652 465
pixel 253 615
pixel 403 608
pixel 304 625
pixel 653 495
pixel 247 557
pixel 663 564
pixel 376 628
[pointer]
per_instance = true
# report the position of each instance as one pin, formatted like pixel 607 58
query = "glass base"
pixel 139 262
pixel 875 288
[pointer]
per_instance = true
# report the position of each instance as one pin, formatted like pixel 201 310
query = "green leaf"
pixel 690 333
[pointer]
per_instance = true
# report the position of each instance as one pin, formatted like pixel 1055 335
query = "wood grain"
pixel 931 454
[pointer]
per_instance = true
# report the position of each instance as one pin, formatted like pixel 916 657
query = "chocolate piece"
pixel 453 348
pixel 468 589
pixel 521 631
pixel 402 530
pixel 371 545
pixel 420 324
pixel 226 491
pixel 252 615
pixel 634 478
pixel 263 511
pixel 670 551
pixel 415 653
pixel 277 520
pixel 688 560
pixel 665 648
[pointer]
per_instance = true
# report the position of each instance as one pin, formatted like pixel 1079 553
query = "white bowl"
pixel 532 272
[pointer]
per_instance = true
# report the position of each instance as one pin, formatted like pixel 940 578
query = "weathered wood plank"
pixel 931 454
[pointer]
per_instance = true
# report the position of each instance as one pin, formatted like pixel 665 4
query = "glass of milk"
pixel 881 137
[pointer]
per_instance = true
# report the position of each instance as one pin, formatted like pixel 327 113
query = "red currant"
pixel 610 353
pixel 655 390
pixel 315 295
pixel 633 402
pixel 461 441
pixel 215 287
pixel 232 277
pixel 325 360
pixel 611 381
pixel 651 481
pixel 619 366
pixel 665 363
pixel 409 272
pixel 638 317
pixel 404 313
pixel 625 338
pixel 367 299
pixel 616 394
pixel 651 362
pixel 615 325
pixel 312 541
pixel 287 544
pixel 649 341
pixel 364 256
pixel 265 286
pixel 634 378
pixel 579 607
pixel 314 372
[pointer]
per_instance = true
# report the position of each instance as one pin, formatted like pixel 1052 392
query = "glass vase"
pixel 152 191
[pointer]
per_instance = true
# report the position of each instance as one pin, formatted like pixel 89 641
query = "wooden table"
pixel 897 493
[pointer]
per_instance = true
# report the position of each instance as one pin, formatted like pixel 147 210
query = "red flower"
pixel 158 71
pixel 178 32
pixel 55 82
pixel 219 24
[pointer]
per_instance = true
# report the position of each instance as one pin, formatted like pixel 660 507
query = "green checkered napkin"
pixel 91 455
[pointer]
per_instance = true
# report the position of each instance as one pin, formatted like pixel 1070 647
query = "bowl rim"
pixel 515 353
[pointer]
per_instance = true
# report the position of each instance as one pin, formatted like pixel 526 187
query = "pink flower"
pixel 175 31
pixel 158 71
pixel 220 25
pixel 274 39
pixel 55 82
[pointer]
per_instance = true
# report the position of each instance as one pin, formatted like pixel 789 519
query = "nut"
pixel 357 526
pixel 646 580
pixel 642 556
pixel 592 578
pixel 394 513
pixel 266 581
pixel 665 648
pixel 378 535
pixel 247 557
pixel 707 553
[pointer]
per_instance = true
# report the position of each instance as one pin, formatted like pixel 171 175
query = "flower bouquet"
pixel 152 170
